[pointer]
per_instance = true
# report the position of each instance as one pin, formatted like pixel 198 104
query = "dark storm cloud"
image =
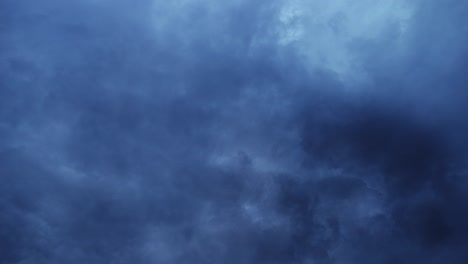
pixel 242 132
pixel 408 134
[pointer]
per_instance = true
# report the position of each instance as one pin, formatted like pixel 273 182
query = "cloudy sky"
pixel 237 132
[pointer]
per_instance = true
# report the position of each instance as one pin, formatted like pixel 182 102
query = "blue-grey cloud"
pixel 196 131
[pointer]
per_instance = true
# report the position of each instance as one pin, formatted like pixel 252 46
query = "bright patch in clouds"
pixel 325 31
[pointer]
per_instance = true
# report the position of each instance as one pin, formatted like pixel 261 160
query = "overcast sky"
pixel 237 132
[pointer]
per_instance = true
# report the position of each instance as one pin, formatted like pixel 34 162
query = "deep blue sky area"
pixel 233 132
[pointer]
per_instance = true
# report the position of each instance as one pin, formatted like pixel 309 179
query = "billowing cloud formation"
pixel 196 131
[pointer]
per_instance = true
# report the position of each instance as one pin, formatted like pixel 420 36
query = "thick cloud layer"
pixel 198 131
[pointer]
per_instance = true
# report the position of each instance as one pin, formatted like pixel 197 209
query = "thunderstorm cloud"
pixel 243 131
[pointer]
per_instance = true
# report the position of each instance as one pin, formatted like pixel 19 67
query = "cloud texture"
pixel 199 131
